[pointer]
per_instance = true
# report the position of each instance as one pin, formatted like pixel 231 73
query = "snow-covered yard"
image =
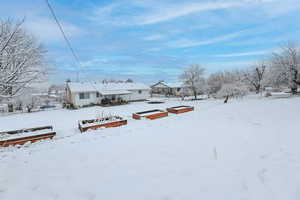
pixel 247 149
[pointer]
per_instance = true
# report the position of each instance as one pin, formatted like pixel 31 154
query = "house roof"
pixel 160 84
pixel 111 92
pixel 168 85
pixel 112 88
pixel 81 87
pixel 175 85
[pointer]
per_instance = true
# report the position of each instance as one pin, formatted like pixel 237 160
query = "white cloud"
pixel 183 43
pixel 94 62
pixel 153 37
pixel 156 12
pixel 181 10
pixel 279 8
pixel 217 66
pixel 47 31
pixel 251 53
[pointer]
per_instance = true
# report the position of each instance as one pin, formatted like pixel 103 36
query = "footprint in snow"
pixel 262 175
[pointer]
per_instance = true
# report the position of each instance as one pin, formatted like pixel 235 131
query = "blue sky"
pixel 150 40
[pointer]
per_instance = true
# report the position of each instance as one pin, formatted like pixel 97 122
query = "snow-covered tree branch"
pixel 21 59
pixel 233 90
pixel 193 78
pixel 285 67
pixel 254 76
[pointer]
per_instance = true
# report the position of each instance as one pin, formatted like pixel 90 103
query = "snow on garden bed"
pixel 280 94
pixel 180 109
pixel 108 122
pixel 150 114
pixel 24 134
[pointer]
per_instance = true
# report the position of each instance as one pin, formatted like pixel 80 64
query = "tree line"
pixel 280 70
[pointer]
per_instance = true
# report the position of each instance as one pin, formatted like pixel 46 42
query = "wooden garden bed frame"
pixel 147 114
pixel 180 109
pixel 30 138
pixel 99 123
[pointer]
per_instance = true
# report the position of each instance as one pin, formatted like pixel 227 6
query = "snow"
pixel 98 122
pixel 240 150
pixel 150 112
pixel 24 134
pixel 104 87
pixel 175 85
pixel 163 84
pixel 280 94
pixel 114 92
pixel 180 107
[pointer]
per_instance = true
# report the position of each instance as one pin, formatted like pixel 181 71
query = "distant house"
pixel 176 88
pixel 160 88
pixel 87 93
pixel 167 89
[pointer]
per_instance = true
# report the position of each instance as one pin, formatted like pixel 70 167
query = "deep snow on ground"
pixel 247 149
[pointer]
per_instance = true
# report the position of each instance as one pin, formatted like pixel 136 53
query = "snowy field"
pixel 245 150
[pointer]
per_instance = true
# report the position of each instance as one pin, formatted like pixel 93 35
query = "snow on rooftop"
pixel 105 87
pixel 175 85
pixel 171 85
pixel 111 92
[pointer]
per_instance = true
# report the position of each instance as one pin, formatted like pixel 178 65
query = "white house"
pixel 87 93
pixel 164 88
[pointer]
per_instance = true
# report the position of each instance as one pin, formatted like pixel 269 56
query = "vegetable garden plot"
pixel 155 102
pixel 180 109
pixel 22 136
pixel 150 114
pixel 107 122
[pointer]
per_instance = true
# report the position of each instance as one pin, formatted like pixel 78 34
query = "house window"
pixel 113 97
pixel 178 89
pixel 140 91
pixel 84 95
pixel 97 94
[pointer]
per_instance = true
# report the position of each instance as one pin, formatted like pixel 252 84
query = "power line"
pixel 64 35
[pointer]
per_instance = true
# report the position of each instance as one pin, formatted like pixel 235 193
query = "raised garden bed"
pixel 107 122
pixel 22 136
pixel 180 109
pixel 150 114
pixel 155 102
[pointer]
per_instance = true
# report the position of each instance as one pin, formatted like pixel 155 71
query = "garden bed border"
pixel 25 139
pixel 184 109
pixel 119 122
pixel 150 116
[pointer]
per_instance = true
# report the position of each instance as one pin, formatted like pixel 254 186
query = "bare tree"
pixel 285 68
pixel 255 76
pixel 21 59
pixel 192 78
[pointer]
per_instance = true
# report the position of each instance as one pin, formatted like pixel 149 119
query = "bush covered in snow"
pixel 232 90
